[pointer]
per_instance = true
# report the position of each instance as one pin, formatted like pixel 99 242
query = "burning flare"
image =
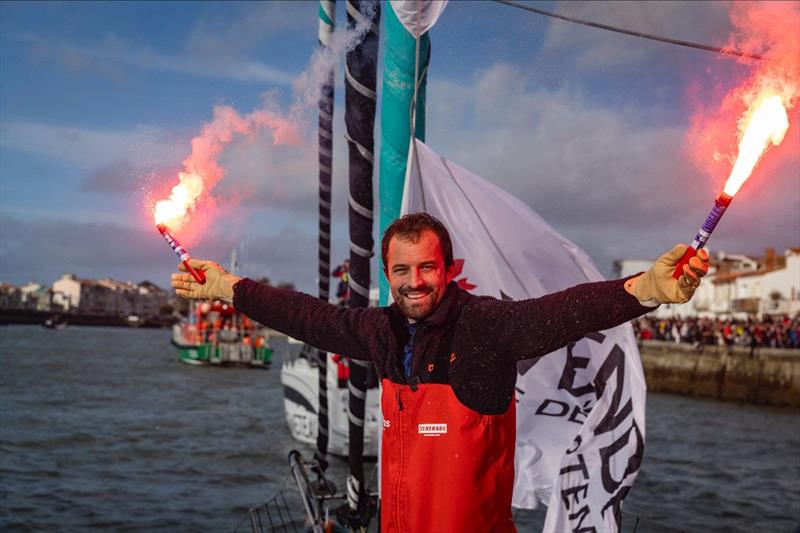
pixel 759 98
pixel 202 172
pixel 759 104
pixel 767 123
pixel 172 212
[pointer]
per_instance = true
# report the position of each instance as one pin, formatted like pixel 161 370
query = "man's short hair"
pixel 410 227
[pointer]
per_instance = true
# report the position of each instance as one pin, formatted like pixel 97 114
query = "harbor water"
pixel 103 428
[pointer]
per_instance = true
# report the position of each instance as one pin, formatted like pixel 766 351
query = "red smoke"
pixel 202 163
pixel 770 30
pixel 190 207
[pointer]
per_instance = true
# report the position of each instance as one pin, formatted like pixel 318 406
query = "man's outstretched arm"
pixel 321 324
pixel 541 325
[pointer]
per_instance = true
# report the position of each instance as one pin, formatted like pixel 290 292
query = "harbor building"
pixel 36 297
pixel 10 296
pixel 108 296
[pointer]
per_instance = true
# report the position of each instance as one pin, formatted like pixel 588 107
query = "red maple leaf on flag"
pixel 458 267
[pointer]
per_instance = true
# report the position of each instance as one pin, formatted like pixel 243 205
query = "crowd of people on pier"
pixel 768 332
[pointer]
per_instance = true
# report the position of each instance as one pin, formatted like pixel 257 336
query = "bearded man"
pixel 447 364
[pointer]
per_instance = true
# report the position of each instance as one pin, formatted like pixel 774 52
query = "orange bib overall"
pixel 444 467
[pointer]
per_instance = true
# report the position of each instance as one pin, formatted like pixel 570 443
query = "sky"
pixel 99 102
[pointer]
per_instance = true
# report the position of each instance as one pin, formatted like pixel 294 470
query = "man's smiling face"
pixel 417 275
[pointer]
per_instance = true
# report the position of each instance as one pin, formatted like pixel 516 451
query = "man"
pixel 447 361
pixel 343 288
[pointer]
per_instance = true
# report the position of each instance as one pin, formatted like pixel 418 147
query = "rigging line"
pixel 678 42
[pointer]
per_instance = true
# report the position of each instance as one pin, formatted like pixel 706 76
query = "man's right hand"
pixel 218 286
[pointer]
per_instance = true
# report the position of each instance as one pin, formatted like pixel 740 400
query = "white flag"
pixel 418 16
pixel 580 409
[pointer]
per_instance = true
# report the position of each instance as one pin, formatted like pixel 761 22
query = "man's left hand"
pixel 657 286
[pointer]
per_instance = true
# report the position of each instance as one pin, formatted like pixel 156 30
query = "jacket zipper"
pixel 400 434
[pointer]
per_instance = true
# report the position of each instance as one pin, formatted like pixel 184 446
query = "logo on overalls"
pixel 432 430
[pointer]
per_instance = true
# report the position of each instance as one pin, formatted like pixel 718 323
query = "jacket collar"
pixel 448 303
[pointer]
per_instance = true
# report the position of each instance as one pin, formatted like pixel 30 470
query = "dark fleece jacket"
pixel 471 342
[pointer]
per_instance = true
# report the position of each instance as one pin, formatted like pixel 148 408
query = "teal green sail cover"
pixel 398 90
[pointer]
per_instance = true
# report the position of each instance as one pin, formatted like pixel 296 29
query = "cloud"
pixel 617 184
pixel 114 177
pixel 229 33
pixel 73 58
pixel 110 56
pixel 701 22
pixel 90 147
pixel 113 161
pixel 545 145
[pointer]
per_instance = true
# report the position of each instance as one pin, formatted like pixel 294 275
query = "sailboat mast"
pixel 360 97
pixel 327 20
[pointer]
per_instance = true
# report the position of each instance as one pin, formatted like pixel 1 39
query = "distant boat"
pixel 215 334
pixel 55 322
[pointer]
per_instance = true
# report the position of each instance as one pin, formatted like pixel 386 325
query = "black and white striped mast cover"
pixel 327 20
pixel 360 82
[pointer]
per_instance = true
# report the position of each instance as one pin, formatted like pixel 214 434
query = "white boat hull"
pixel 300 382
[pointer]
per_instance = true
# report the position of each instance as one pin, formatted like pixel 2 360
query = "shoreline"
pixel 31 317
pixel 767 376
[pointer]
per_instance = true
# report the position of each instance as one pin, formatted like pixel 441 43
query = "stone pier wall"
pixel 767 377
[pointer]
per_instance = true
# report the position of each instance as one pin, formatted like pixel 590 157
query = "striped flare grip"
pixel 720 205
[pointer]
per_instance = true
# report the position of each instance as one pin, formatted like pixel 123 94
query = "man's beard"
pixel 417 309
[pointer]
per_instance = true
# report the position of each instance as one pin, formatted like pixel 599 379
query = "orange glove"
pixel 219 283
pixel 657 286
